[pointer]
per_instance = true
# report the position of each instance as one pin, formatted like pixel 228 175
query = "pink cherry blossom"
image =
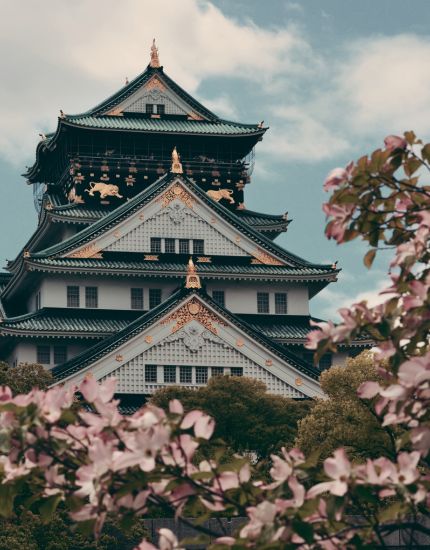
pixel 395 142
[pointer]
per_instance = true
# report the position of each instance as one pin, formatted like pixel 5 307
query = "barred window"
pixel 184 246
pixel 161 109
pixel 149 107
pixel 263 302
pixel 185 375
pixel 201 375
pixel 154 297
pixel 60 354
pixel 219 297
pixel 280 302
pixel 91 296
pixel 150 373
pixel 198 246
pixel 43 355
pixel 236 371
pixel 170 374
pixel 217 371
pixel 169 246
pixel 136 297
pixel 72 296
pixel 155 244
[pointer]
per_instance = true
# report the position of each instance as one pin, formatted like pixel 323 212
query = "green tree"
pixel 247 417
pixel 343 419
pixel 24 377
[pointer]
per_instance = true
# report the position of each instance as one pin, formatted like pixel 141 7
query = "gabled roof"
pixel 147 195
pixel 134 85
pixel 111 343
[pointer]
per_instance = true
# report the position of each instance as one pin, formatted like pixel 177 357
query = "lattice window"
pixel 201 375
pixel 219 297
pixel 217 371
pixel 72 296
pixel 154 297
pixel 236 371
pixel 198 246
pixel 185 375
pixel 170 374
pixel 155 244
pixel 136 298
pixel 161 109
pixel 169 246
pixel 263 302
pixel 149 108
pixel 91 296
pixel 281 302
pixel 150 373
pixel 60 354
pixel 43 354
pixel 184 246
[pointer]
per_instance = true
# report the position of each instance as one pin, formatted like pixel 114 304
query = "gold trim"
pixel 204 259
pixel 151 257
pixel 192 280
pixel 176 192
pixel 89 251
pixel 265 258
pixel 269 362
pixel 239 343
pixel 119 358
pixel 299 381
pixel 193 310
pixel 148 339
pixel 154 84
pixel 155 60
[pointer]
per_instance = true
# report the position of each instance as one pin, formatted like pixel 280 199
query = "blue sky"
pixel 330 77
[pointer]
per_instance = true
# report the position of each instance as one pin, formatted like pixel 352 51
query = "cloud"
pixel 221 105
pixel 384 85
pixel 72 55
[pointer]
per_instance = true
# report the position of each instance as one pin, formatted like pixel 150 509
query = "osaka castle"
pixel 146 265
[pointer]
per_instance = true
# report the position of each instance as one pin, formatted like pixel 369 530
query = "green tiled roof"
pixel 115 267
pixel 112 342
pixel 163 125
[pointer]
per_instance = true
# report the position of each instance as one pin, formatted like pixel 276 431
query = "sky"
pixel 331 78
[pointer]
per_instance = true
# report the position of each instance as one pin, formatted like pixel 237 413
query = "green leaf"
pixel 391 512
pixel 7 497
pixel 48 507
pixel 304 529
pixel 369 257
pixel 425 152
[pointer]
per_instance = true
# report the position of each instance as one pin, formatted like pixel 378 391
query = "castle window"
pixel 198 246
pixel 217 371
pixel 72 296
pixel 280 302
pixel 37 301
pixel 263 302
pixel 161 109
pixel 155 244
pixel 136 297
pixel 169 246
pixel 184 246
pixel 154 297
pixel 150 373
pixel 91 296
pixel 170 374
pixel 201 375
pixel 60 354
pixel 185 375
pixel 236 371
pixel 43 355
pixel 149 108
pixel 219 297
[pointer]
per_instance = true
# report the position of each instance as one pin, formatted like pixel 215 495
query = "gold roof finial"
pixel 155 61
pixel 176 164
pixel 192 279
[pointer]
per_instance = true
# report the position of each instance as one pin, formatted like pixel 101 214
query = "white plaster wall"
pixel 26 352
pixel 241 297
pixel 112 294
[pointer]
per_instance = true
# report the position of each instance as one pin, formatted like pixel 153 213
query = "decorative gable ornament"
pixel 155 60
pixel 176 164
pixel 194 337
pixel 192 279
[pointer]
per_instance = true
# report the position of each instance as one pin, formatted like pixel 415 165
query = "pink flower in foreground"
pixel 203 424
pixel 325 332
pixel 338 468
pixel 395 142
pixel 337 176
pixel 167 541
pixel 260 515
